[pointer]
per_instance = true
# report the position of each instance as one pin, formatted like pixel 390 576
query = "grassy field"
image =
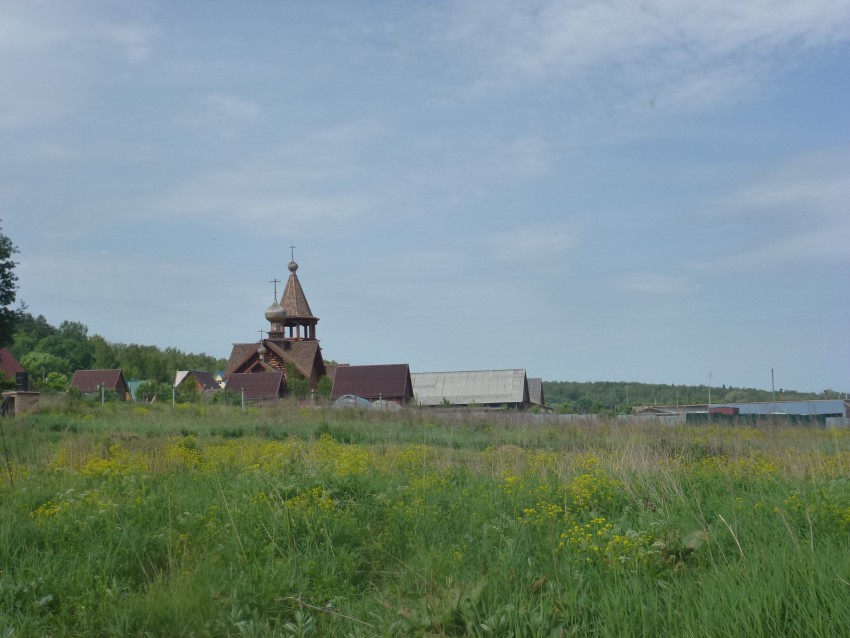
pixel 205 521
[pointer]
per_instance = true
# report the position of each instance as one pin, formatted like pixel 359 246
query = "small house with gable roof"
pixel 202 380
pixel 91 382
pixel 256 387
pixel 9 366
pixel 389 382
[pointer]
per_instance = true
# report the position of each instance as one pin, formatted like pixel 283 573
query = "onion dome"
pixel 292 266
pixel 275 313
pixel 261 350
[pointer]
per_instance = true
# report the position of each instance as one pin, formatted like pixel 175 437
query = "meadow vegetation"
pixel 203 520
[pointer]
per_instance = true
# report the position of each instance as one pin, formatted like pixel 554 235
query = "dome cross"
pixel 275 281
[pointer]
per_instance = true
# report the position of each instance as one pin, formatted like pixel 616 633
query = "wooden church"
pixel 291 338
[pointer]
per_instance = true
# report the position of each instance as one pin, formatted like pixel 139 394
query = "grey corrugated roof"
pixel 475 386
pixel 535 391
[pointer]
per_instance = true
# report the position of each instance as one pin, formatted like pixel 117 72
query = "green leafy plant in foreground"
pixel 316 523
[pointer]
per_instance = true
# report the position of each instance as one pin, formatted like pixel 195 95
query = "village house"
pixel 388 382
pixel 11 369
pixel 92 381
pixel 201 380
pixel 256 386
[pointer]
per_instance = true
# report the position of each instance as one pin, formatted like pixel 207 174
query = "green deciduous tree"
pixel 40 364
pixel 54 381
pixel 28 332
pixel 153 391
pixel 70 342
pixel 77 351
pixel 324 388
pixel 8 290
pixel 35 327
pixel 103 354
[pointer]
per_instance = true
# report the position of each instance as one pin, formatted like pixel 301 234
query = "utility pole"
pixel 772 391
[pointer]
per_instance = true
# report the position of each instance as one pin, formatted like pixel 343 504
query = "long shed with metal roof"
pixel 535 392
pixel 490 388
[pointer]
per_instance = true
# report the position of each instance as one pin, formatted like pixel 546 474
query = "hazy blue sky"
pixel 649 191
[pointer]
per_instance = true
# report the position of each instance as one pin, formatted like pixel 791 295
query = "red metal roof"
pixel 9 366
pixel 389 381
pixel 91 380
pixel 257 385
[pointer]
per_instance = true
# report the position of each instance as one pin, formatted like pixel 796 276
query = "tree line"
pixel 619 397
pixel 52 354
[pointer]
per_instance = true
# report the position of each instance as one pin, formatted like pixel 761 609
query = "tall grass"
pixel 207 521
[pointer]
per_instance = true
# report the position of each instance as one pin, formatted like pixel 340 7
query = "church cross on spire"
pixel 275 281
pixel 261 334
pixel 292 253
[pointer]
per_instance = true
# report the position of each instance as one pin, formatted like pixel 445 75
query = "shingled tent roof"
pixel 259 385
pixel 293 300
pixel 389 381
pixel 9 366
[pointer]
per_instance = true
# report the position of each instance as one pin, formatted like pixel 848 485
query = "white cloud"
pixel 532 245
pixel 263 197
pixel 530 156
pixel 135 41
pixel 675 54
pixel 797 211
pixel 816 184
pixel 51 55
pixel 233 106
pixel 657 284
pixel 40 152
pixel 219 113
pixel 352 132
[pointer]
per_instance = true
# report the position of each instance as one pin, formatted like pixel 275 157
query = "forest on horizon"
pixel 595 397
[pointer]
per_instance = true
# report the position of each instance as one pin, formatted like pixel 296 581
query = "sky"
pixel 593 191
